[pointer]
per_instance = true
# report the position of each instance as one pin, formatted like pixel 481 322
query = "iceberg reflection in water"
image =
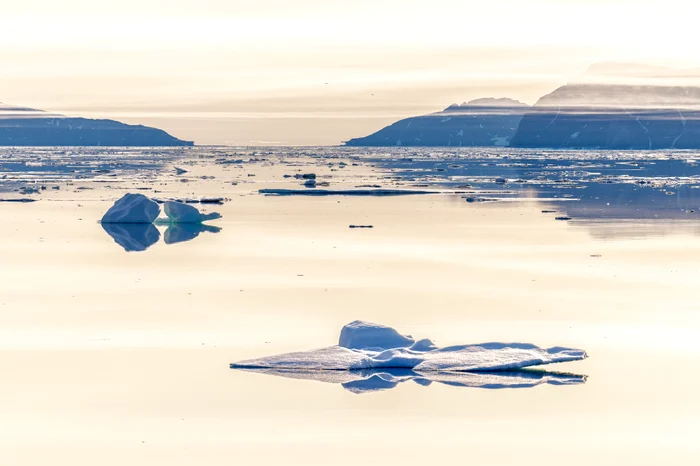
pixel 137 237
pixel 181 232
pixel 374 380
pixel 131 222
pixel 133 237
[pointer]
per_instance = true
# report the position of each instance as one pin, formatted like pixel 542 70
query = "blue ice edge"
pixel 376 348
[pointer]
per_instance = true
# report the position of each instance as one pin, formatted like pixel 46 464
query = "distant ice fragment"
pixel 364 345
pixel 178 212
pixel 19 200
pixel 132 208
pixel 343 192
pixel 213 200
pixel 29 190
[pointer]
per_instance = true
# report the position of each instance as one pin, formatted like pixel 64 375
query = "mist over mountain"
pixel 21 126
pixel 610 106
pixel 617 106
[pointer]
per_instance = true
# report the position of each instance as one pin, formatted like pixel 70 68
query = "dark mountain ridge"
pixel 613 116
pixel 482 122
pixel 21 126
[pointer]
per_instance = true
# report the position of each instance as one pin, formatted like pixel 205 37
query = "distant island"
pixel 20 126
pixel 646 114
pixel 481 122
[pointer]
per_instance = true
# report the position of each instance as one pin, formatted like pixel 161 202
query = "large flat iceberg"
pixel 365 346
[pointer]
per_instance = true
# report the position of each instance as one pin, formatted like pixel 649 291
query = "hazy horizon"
pixel 315 73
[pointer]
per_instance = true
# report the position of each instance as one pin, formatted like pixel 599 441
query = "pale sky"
pixel 315 72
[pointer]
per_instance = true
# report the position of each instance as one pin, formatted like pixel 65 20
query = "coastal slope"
pixel 20 126
pixel 482 122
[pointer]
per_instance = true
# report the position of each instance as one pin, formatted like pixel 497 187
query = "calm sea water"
pixel 113 357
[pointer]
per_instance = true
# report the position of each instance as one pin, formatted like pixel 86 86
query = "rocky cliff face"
pixel 483 122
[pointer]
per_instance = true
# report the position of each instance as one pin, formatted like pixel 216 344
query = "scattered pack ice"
pixel 364 345
pixel 132 208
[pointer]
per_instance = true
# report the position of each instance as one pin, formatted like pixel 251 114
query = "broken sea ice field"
pixel 368 346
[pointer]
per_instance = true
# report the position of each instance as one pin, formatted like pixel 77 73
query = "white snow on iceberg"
pixel 178 212
pixel 132 208
pixel 365 345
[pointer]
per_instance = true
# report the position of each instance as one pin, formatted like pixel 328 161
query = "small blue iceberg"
pixel 131 222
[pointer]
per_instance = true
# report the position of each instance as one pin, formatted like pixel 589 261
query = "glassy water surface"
pixel 113 357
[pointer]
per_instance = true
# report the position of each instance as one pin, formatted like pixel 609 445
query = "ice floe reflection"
pixel 137 237
pixel 181 232
pixel 375 380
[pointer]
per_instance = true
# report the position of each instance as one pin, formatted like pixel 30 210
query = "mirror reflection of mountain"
pixel 659 189
pixel 374 380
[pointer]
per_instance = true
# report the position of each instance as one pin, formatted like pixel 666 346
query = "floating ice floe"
pixel 344 192
pixel 365 345
pixel 130 222
pixel 177 212
pixel 22 200
pixel 132 208
pixel 212 200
